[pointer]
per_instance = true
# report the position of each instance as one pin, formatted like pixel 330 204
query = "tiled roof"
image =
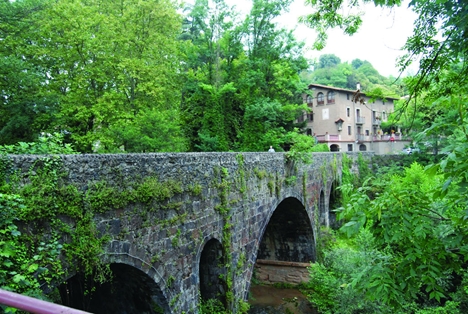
pixel 344 90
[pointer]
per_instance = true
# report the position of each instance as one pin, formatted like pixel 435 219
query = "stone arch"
pixel 211 272
pixel 322 210
pixel 334 148
pixel 334 203
pixel 362 148
pixel 129 290
pixel 288 234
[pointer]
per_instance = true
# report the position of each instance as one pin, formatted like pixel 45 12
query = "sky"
pixel 379 39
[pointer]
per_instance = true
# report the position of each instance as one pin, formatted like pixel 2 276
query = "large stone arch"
pixel 127 290
pixel 288 234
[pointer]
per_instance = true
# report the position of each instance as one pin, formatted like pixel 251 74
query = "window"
pixel 384 116
pixel 309 99
pixel 349 130
pixel 350 147
pixel 367 132
pixel 311 116
pixel 320 99
pixel 347 96
pixel 325 114
pixel 300 118
pixel 348 112
pixel 331 98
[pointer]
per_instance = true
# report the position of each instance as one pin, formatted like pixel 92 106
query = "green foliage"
pixel 235 99
pixel 211 306
pixel 74 66
pixel 196 189
pixel 409 222
pixel 302 146
pixel 291 180
pixel 332 287
pixel 330 71
pixel 27 261
pixel 46 144
pixel 261 174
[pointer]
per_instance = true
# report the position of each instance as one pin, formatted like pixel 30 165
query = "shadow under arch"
pixel 129 290
pixel 212 272
pixel 322 210
pixel 289 235
pixel 334 203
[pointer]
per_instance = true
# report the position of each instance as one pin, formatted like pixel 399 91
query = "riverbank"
pixel 266 299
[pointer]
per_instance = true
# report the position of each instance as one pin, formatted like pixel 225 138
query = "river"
pixel 266 299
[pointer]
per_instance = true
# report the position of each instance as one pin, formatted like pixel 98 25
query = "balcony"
pixel 328 138
pixel 360 138
pixel 376 121
pixel 360 120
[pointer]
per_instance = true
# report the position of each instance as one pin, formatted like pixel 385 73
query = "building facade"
pixel 348 120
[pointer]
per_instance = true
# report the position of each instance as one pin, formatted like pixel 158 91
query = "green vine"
pixel 304 187
pixel 223 185
pixel 43 201
pixel 241 174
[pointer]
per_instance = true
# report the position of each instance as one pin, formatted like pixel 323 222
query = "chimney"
pixel 358 86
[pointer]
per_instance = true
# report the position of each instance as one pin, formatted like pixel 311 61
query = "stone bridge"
pixel 178 228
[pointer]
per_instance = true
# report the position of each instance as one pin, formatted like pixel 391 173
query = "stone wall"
pixel 223 196
pixel 271 272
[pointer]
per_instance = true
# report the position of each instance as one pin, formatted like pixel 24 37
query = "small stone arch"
pixel 322 210
pixel 212 272
pixel 334 148
pixel 335 201
pixel 362 148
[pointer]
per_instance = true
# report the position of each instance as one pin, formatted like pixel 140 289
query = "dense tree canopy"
pixel 329 70
pixel 242 89
pixel 91 70
pixel 137 76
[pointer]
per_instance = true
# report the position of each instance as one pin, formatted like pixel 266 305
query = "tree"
pixel 327 61
pixel 211 109
pixel 96 65
pixel 25 108
pixel 224 83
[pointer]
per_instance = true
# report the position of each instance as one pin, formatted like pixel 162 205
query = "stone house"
pixel 348 120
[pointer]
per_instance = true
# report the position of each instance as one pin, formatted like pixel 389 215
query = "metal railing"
pixel 33 305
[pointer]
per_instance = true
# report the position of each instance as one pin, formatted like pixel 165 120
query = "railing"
pixel 376 122
pixel 328 137
pixel 388 137
pixel 360 137
pixel 360 120
pixel 33 305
